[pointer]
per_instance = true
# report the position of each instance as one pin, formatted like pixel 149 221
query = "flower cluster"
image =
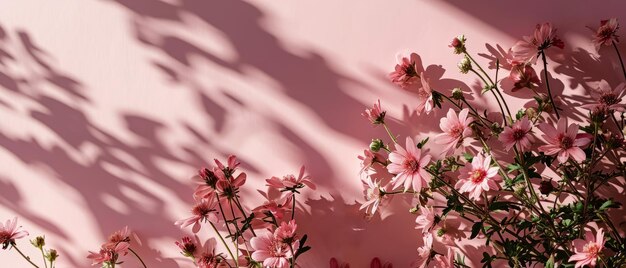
pixel 264 236
pixel 532 184
pixel 116 246
pixel 10 232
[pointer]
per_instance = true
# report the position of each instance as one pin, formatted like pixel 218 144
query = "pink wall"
pixel 107 107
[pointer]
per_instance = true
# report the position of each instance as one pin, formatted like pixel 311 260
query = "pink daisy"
pixel 376 115
pixel 204 210
pixel 108 254
pixel 564 141
pixel 517 134
pixel 446 261
pixel 478 177
pixel 9 232
pixel 424 97
pixel 207 181
pixel 423 253
pixel 367 161
pixel 426 219
pixel 608 99
pixel 207 258
pixel 271 251
pixel 408 165
pixel 278 207
pixel 587 251
pixel 187 246
pixel 291 182
pixel 373 196
pixel 405 73
pixel 529 47
pixel 286 232
pixel 606 34
pixel 523 76
pixel 455 130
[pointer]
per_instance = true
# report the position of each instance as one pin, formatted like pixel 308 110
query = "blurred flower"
pixel 373 196
pixel 546 187
pixel 426 220
pixel 446 261
pixel 277 207
pixel 478 177
pixel 405 73
pixel 424 97
pixel 606 34
pixel 367 160
pixel 423 253
pixel 204 210
pixel 458 43
pixel 587 251
pixel 608 99
pixel 523 76
pixel 187 246
pixel 334 263
pixel 108 254
pixel 517 134
pixel 230 187
pixel 408 165
pixel 455 128
pixel 376 114
pixel 232 165
pixel 529 47
pixel 286 232
pixel 9 232
pixel 207 257
pixel 291 182
pixel 119 236
pixel 376 263
pixel 563 141
pixel 207 182
pixel 51 255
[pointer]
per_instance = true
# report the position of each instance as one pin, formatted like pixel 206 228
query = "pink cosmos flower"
pixel 455 130
pixel 367 160
pixel 232 165
pixel 446 261
pixel 608 99
pixel 376 114
pixel 230 187
pixel 108 254
pixel 207 258
pixel 9 232
pixel 204 210
pixel 606 33
pixel 424 97
pixel 423 253
pixel 563 141
pixel 122 235
pixel 523 76
pixel 478 177
pixel 405 73
pixel 408 165
pixel 587 251
pixel 517 134
pixel 426 219
pixel 286 231
pixel 271 251
pixel 528 48
pixel 373 196
pixel 278 207
pixel 207 181
pixel 290 181
pixel 187 246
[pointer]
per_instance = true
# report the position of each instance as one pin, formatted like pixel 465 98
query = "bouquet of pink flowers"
pixel 265 236
pixel 531 199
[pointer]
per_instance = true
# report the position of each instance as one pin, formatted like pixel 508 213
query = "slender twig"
pixel 293 206
pixel 24 256
pixel 225 245
pixel 620 59
pixel 139 258
pixel 545 74
pixel 43 256
pixel 393 138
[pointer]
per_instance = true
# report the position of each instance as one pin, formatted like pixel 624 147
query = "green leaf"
pixel 550 262
pixel 476 229
pixel 499 206
pixel 422 143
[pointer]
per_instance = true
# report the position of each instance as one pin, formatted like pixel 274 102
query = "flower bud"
pixel 441 232
pixel 39 242
pixel 458 43
pixel 376 145
pixel 457 94
pixel 531 112
pixel 52 255
pixel 465 65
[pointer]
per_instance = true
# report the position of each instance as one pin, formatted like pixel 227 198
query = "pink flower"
pixel 367 160
pixel 9 232
pixel 523 76
pixel 478 177
pixel 373 196
pixel 608 99
pixel 408 165
pixel 455 130
pixel 286 232
pixel 204 210
pixel 587 251
pixel 563 141
pixel 517 134
pixel 424 97
pixel 423 253
pixel 426 220
pixel 446 261
pixel 529 47
pixel 277 207
pixel 290 182
pixel 230 187
pixel 606 33
pixel 108 254
pixel 458 43
pixel 118 237
pixel 187 246
pixel 405 73
pixel 207 181
pixel 207 258
pixel 232 165
pixel 376 115
pixel 271 251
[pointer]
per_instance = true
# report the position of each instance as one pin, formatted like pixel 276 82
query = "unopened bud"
pixel 457 94
pixel 458 43
pixel 465 65
pixel 376 145
pixel 52 255
pixel 531 112
pixel 39 242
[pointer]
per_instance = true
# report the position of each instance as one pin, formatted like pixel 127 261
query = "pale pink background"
pixel 108 107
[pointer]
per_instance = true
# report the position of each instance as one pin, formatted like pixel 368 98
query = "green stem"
pixel 23 256
pixel 493 84
pixel 393 138
pixel 43 256
pixel 238 203
pixel 494 95
pixel 225 245
pixel 620 58
pixel 137 256
pixel 293 207
pixel 545 75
